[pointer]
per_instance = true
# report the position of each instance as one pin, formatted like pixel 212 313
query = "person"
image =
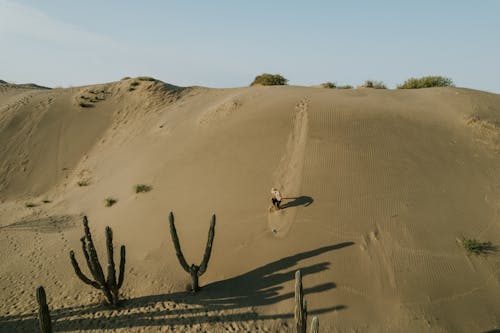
pixel 276 197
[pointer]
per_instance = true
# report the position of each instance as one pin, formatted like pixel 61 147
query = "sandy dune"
pixel 380 185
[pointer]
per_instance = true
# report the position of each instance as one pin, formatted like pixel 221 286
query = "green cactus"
pixel 194 270
pixel 300 305
pixel 108 285
pixel 43 311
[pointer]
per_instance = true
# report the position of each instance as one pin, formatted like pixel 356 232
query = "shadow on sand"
pixel 234 296
pixel 303 200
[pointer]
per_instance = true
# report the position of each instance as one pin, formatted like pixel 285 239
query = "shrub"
pixel 125 78
pixel 374 84
pixel 474 246
pixel 131 89
pixel 146 78
pixel 134 83
pixel 426 82
pixel 142 188
pixel 330 85
pixel 29 205
pixel 108 202
pixel 346 86
pixel 85 105
pixel 269 80
pixel 83 182
pixel 46 201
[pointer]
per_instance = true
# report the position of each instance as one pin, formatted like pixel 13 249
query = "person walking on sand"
pixel 276 198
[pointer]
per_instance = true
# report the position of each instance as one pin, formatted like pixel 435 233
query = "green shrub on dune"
pixel 269 80
pixel 427 82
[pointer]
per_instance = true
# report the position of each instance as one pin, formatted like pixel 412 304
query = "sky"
pixel 226 43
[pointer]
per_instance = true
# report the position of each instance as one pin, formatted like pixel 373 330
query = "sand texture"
pixel 379 186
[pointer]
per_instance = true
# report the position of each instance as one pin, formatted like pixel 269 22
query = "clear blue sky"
pixel 227 43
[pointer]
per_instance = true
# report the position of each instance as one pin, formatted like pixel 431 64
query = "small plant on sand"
pixel 85 105
pixel 109 201
pixel 374 84
pixel 142 188
pixel 474 246
pixel 194 270
pixel 29 204
pixel 109 285
pixel 269 80
pixel 83 182
pixel 43 311
pixel 427 82
pixel 345 86
pixel 300 311
pixel 46 201
pixel 329 85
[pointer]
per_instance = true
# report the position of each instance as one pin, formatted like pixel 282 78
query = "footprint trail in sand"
pixel 288 175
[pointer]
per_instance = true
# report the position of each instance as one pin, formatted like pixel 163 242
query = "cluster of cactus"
pixel 43 311
pixel 109 285
pixel 194 270
pixel 301 308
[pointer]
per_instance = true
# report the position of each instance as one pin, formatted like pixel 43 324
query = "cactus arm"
pixel 208 248
pixel 94 260
pixel 79 273
pixel 122 267
pixel 315 325
pixel 177 245
pixel 43 311
pixel 87 257
pixel 111 278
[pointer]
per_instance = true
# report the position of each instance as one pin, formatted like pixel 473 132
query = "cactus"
pixel 194 270
pixel 43 311
pixel 300 305
pixel 108 285
pixel 315 325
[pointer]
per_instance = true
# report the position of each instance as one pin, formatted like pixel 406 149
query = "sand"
pixel 380 184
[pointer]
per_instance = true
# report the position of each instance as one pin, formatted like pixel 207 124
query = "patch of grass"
pixel 29 205
pixel 109 201
pixel 84 182
pixel 142 188
pixel 345 86
pixel 85 105
pixel 146 78
pixel 330 85
pixel 269 80
pixel 474 246
pixel 374 84
pixel 134 83
pixel 427 82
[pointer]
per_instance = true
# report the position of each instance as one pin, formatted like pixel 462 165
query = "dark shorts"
pixel 276 202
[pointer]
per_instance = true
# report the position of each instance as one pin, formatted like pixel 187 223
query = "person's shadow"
pixel 303 200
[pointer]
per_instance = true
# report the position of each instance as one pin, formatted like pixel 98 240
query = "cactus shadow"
pixel 302 200
pixel 228 300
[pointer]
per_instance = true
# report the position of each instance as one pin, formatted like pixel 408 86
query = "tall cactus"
pixel 300 305
pixel 194 270
pixel 108 285
pixel 43 311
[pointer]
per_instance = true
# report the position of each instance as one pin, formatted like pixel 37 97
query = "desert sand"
pixel 380 185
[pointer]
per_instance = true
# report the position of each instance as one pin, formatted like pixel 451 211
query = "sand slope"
pixel 380 186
